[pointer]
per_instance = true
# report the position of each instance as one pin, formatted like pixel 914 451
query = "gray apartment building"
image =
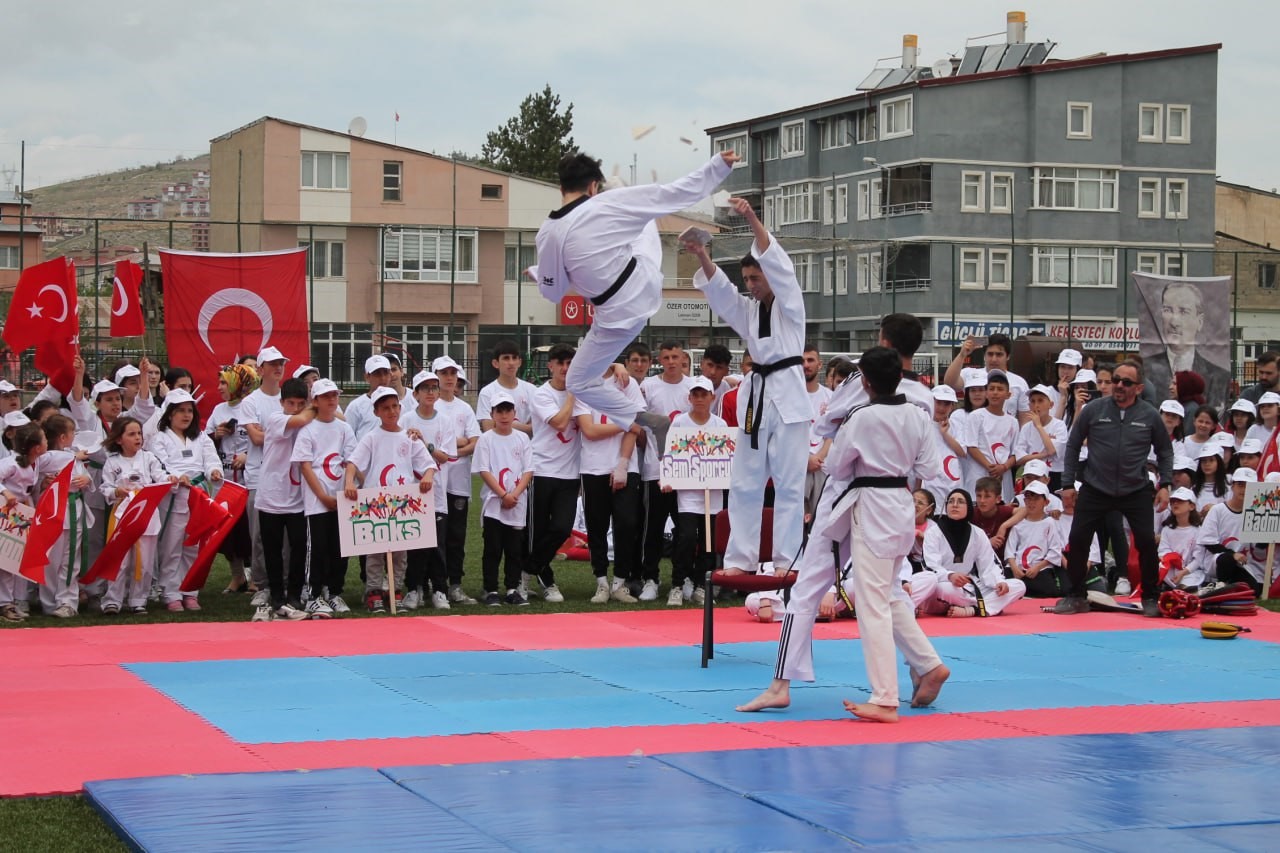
pixel 1002 190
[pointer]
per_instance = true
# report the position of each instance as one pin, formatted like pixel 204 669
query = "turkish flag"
pixel 129 527
pixel 46 526
pixel 219 306
pixel 126 301
pixel 205 515
pixel 235 498
pixel 44 314
pixel 1270 460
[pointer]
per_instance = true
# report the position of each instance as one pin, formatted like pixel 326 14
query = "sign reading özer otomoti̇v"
pixel 386 518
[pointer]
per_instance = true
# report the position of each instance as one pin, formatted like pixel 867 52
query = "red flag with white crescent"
pixel 46 526
pixel 234 497
pixel 126 300
pixel 204 515
pixel 44 313
pixel 1270 460
pixel 129 528
pixel 218 306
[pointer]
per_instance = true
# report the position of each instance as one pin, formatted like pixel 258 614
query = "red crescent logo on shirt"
pixel 292 480
pixel 1026 555
pixel 563 440
pixel 672 416
pixel 946 468
pixel 604 419
pixel 382 478
pixel 996 448
pixel 1229 541
pixel 329 472
pixel 502 478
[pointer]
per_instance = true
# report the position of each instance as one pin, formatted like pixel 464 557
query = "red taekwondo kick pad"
pixel 106 702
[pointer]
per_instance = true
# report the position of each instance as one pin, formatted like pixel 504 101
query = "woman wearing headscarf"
pixel 970 581
pixel 232 441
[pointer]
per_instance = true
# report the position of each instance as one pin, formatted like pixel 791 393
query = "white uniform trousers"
pixel 599 350
pixel 175 559
pixel 783 455
pixel 126 589
pixel 948 594
pixel 55 591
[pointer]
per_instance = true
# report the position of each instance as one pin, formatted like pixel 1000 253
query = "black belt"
pixel 872 483
pixel 617 285
pixel 751 423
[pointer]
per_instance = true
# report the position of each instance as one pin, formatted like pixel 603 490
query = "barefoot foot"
pixel 765 613
pixel 774 697
pixel 930 685
pixel 874 713
pixel 915 686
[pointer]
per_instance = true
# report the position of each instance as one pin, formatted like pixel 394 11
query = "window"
pixel 1148 197
pixel 1266 276
pixel 835 204
pixel 1001 192
pixel 1148 262
pixel 428 254
pixel 769 218
pixel 836 274
pixel 842 204
pixel 972 262
pixel 326 258
pixel 972 191
pixel 796 203
pixel 868 273
pixel 999 263
pixel 1079 120
pixel 877 199
pixel 793 139
pixel 1151 123
pixel 804 272
pixel 324 170
pixel 1076 189
pixel 491 191
pixel 391 174
pixel 1175 263
pixel 1086 266
pixel 835 132
pixel 1175 198
pixel 864 200
pixel 736 144
pixel 8 257
pixel 864 122
pixel 1177 123
pixel 895 118
pixel 770 145
pixel 515 267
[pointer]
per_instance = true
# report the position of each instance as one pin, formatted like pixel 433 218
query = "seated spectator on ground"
pixel 970 582
pixel 1034 555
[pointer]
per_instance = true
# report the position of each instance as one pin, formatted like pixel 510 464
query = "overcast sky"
pixel 97 86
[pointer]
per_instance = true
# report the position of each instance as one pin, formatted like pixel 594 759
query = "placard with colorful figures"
pixel 698 457
pixel 15 525
pixel 1261 522
pixel 386 518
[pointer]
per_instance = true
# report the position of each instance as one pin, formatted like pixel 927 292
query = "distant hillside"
pixel 106 195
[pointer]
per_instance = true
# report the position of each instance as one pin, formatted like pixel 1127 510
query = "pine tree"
pixel 532 142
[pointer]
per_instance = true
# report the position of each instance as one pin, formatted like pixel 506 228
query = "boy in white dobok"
pixel 605 247
pixel 773 406
pixel 885 442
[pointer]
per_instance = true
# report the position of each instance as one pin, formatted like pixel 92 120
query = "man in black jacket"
pixel 1121 431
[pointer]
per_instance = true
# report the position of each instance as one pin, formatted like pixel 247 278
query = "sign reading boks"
pixel 386 518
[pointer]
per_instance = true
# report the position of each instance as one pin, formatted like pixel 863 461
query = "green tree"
pixel 532 142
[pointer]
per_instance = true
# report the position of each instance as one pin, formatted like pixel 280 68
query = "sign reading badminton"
pixel 698 457
pixel 1261 521
pixel 15 524
pixel 386 518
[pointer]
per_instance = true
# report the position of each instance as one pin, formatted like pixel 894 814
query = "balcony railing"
pixel 908 285
pixel 907 208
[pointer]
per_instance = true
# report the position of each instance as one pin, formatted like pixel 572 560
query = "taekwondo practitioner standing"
pixel 820 561
pixel 605 247
pixel 774 411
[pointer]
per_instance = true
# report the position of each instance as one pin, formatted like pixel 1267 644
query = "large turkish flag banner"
pixel 220 306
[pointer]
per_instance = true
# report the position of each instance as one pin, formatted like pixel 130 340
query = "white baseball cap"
pixel 1035 487
pixel 177 397
pixel 128 371
pixel 106 386
pixel 462 375
pixel 1043 390
pixel 1182 493
pixel 423 376
pixel 1173 407
pixel 1071 357
pixel 15 419
pixel 1273 477
pixel 1243 405
pixel 1250 445
pixel 7 387
pixel 1223 439
pixel 304 369
pixel 974 377
pixel 1084 376
pixel 1183 463
pixel 444 362
pixel 270 354
pixel 375 363
pixel 501 398
pixel 945 394
pixel 1036 468
pixel 1210 448
pixel 324 386
pixel 702 382
pixel 1271 398
pixel 384 391
pixel 1244 475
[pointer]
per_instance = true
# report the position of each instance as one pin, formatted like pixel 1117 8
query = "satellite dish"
pixel 942 68
pixel 358 126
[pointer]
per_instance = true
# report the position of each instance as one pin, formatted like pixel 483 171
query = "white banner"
pixel 1261 522
pixel 698 457
pixel 386 518
pixel 15 525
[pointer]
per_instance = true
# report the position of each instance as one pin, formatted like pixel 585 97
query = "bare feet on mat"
pixel 915 685
pixel 958 612
pixel 874 713
pixel 777 696
pixel 765 613
pixel 930 686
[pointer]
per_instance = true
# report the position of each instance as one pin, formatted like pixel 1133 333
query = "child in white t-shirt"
pixel 1033 552
pixel 1042 437
pixel 504 461
pixel 60 592
pixel 1180 550
pixel 386 456
pixel 691 559
pixel 992 433
pixel 321 449
pixel 427 425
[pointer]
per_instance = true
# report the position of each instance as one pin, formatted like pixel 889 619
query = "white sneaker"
pixel 412 600
pixel 1123 587
pixel 338 605
pixel 155 593
pixel 262 613
pixel 602 591
pixel 650 591
pixel 261 598
pixel 439 601
pixel 64 611
pixel 552 595
pixel 699 596
pixel 288 611
pixel 620 593
pixel 676 597
pixel 458 596
pixel 318 608
pixel 687 589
